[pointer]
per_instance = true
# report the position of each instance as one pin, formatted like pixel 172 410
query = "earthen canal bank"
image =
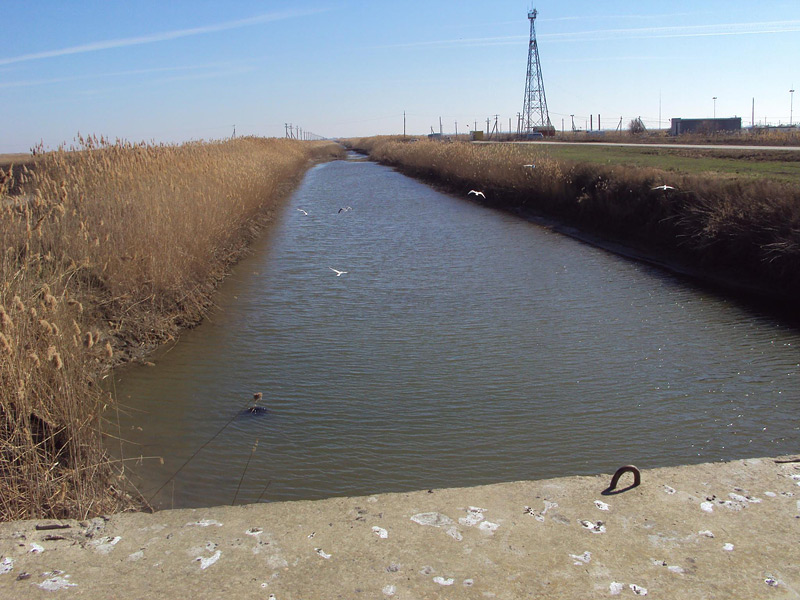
pixel 725 530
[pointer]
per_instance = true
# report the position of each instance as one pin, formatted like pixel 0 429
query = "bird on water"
pixel 256 409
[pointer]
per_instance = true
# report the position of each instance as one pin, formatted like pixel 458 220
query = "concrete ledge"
pixel 727 530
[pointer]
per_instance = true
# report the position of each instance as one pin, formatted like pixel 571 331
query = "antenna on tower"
pixel 534 110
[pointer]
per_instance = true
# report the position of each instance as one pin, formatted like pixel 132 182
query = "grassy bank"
pixel 744 231
pixel 106 251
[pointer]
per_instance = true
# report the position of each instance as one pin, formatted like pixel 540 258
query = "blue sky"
pixel 177 71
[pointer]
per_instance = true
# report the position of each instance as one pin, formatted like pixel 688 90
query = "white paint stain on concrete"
pixel 35 548
pixel 540 516
pixel 372 499
pixel 669 490
pixel 488 526
pixel 615 588
pixel 133 557
pixel 6 565
pixel 204 523
pixel 454 533
pixel 106 544
pixel 638 590
pixel 389 590
pixel 598 527
pixel 442 581
pixel 707 506
pixel 706 533
pixel 207 561
pixel 601 505
pixel 675 569
pixel 728 547
pixel 433 519
pixel 322 553
pixel 474 516
pixel 770 494
pixel 582 559
pixel 380 532
pixel 55 583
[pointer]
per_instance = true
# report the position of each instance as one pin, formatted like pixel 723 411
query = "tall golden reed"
pixel 106 249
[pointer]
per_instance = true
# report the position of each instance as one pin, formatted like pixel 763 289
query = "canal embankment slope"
pixel 110 249
pixel 733 230
pixel 724 530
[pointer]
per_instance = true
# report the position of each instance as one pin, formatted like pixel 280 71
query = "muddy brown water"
pixel 462 346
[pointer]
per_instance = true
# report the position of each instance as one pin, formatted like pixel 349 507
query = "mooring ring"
pixel 637 477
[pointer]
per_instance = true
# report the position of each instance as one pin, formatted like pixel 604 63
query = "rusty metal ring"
pixel 637 478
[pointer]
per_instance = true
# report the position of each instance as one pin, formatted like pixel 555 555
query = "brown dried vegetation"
pixel 106 250
pixel 745 231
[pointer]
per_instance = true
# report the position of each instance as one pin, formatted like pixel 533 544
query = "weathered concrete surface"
pixel 729 530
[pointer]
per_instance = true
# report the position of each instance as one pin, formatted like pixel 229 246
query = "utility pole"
pixel 234 131
pixel 404 123
pixel 573 122
pixel 440 125
pixel 456 128
pixel 753 114
pixel 791 103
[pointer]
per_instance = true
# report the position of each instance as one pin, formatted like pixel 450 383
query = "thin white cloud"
pixel 35 82
pixel 158 37
pixel 678 31
pixel 722 29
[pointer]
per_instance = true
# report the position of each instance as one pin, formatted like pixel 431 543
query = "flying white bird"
pixel 477 193
pixel 302 211
pixel 338 273
pixel 663 187
pixel 529 166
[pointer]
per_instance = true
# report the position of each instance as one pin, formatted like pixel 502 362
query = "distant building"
pixel 680 126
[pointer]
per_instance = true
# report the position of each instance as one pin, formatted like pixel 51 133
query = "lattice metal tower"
pixel 534 110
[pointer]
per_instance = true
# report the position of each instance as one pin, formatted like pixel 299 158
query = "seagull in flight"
pixel 477 193
pixel 664 187
pixel 302 211
pixel 345 209
pixel 338 273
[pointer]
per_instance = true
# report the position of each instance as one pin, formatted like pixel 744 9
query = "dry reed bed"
pixel 106 251
pixel 748 232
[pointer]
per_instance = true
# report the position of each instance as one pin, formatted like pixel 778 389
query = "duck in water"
pixel 256 409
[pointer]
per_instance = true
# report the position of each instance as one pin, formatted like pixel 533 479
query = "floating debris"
pixel 728 547
pixel 380 532
pixel 601 505
pixel 615 588
pixel 707 506
pixel 669 490
pixel 638 590
pixel 254 531
pixel 442 581
pixel 322 553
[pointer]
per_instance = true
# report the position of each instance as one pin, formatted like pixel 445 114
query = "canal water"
pixel 460 346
